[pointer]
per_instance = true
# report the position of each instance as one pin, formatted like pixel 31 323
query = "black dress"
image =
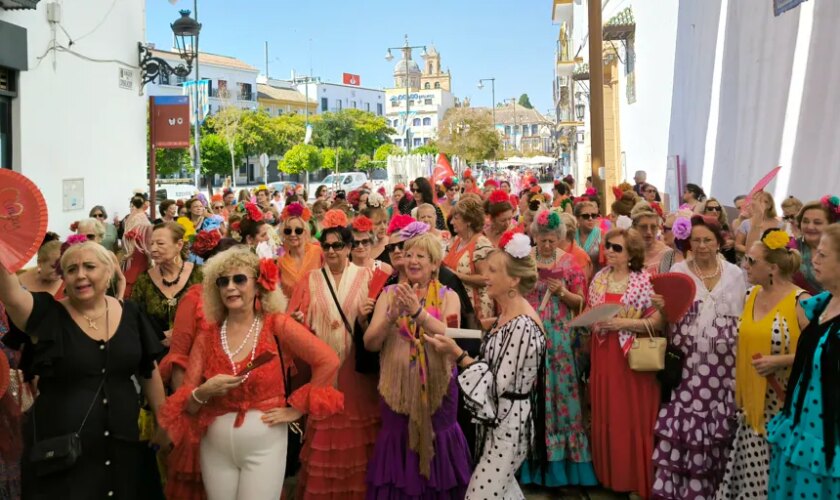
pixel 71 366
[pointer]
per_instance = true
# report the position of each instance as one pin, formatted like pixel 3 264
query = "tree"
pixel 346 159
pixel 469 134
pixel 216 156
pixel 384 151
pixel 426 149
pixel 525 102
pixel 301 158
pixel 288 130
pixel 334 130
pixel 225 124
pixel 370 131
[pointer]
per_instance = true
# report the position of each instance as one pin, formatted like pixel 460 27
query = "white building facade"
pixel 426 108
pixel 73 121
pixel 334 97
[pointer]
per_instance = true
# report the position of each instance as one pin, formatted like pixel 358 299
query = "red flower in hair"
pixel 468 175
pixel 205 242
pixel 362 224
pixel 499 196
pixel 334 218
pixel 399 222
pixel 234 226
pixel 74 226
pixel 658 209
pixel 617 192
pixel 491 182
pixel 505 239
pixel 353 198
pixel 254 212
pixel 536 189
pixel 269 274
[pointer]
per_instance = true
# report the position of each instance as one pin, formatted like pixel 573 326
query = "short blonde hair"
pixel 93 224
pixel 428 243
pixel 103 255
pixel 237 257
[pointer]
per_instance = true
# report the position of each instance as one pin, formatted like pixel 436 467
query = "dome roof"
pixel 413 68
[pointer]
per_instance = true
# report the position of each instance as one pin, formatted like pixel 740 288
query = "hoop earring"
pixel 511 293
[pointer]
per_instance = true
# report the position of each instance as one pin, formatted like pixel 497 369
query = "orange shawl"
pixel 291 273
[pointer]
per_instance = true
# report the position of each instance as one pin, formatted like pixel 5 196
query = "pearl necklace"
pixel 255 327
pixel 703 277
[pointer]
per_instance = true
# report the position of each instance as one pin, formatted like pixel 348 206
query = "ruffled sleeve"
pixel 319 398
pixel 479 390
pixel 150 346
pixel 173 415
pixel 188 319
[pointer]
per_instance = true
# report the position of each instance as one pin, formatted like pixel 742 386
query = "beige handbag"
pixel 647 354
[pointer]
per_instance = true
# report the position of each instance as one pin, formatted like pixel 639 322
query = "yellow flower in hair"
pixel 774 240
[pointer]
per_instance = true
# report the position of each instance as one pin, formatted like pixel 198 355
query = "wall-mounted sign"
pixel 170 121
pixel 73 194
pixel 126 79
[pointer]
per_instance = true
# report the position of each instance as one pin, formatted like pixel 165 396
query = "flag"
pixel 442 169
pixel 351 79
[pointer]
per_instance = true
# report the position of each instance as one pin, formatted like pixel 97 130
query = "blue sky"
pixel 511 40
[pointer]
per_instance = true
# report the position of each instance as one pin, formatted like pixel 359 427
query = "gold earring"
pixel 511 293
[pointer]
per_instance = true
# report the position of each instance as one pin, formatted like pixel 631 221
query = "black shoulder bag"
pixel 367 362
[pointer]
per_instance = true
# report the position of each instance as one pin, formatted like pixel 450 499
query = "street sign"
pixel 263 160
pixel 170 121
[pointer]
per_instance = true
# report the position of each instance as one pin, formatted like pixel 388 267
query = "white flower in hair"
pixel 519 246
pixel 623 222
pixel 375 200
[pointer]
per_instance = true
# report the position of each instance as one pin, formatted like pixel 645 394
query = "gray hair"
pixel 539 230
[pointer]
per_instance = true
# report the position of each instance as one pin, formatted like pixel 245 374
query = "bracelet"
pixel 195 398
pixel 419 310
pixel 461 357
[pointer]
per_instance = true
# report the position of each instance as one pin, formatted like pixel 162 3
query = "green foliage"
pixel 301 158
pixel 469 134
pixel 346 159
pixel 426 149
pixel 364 163
pixel 334 130
pixel 216 156
pixel 171 161
pixel 256 133
pixel 385 150
pixel 525 102
pixel 288 129
pixel 370 131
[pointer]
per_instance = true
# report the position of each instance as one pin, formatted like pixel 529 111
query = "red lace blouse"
pixel 189 320
pixel 264 388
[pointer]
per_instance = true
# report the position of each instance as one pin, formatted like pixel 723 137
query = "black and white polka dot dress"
pixel 497 391
pixel 749 458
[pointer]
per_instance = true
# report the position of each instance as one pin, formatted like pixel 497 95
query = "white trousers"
pixel 246 462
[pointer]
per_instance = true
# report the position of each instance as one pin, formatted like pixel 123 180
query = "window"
pixel 534 130
pixel 324 104
pixel 417 141
pixel 507 129
pixel 416 122
pixel 279 111
pixel 6 129
pixel 398 142
pixel 338 105
pixel 353 104
pixel 427 121
pixel 437 85
pixel 427 102
pixel 379 109
pixel 367 107
pixel 425 140
pixel 427 85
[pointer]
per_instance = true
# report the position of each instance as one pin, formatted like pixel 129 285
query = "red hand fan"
pixel 377 282
pixel 678 290
pixel 23 220
pixel 257 362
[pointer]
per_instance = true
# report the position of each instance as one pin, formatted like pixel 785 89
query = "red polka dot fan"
pixel 23 220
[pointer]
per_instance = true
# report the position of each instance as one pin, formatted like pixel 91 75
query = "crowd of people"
pixel 419 344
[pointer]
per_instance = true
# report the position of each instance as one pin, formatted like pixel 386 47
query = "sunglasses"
pixel 298 231
pixel 650 190
pixel 358 243
pixel 588 216
pixel 90 237
pixel 713 209
pixel 99 216
pixel 238 280
pixel 614 247
pixel 391 247
pixel 788 217
pixel 218 207
pixel 338 245
pixel 750 260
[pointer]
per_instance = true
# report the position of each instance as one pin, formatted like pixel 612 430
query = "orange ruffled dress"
pixel 337 449
pixel 263 390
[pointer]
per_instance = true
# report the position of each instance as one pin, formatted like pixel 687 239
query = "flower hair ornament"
pixel 295 210
pixel 205 242
pixel 681 228
pixel 189 227
pixel 491 183
pixel 498 196
pixel 362 224
pixel 775 239
pixel 375 200
pixel 253 212
pixel 624 222
pixel 74 226
pixel 517 245
pixel 334 218
pixel 398 222
pixel 415 228
pixel 73 239
pixel 548 219
pixel 269 274
pixel 449 182
pixel 261 188
pixel 832 203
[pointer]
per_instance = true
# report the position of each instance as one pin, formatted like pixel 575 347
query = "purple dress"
pixel 695 429
pixel 394 470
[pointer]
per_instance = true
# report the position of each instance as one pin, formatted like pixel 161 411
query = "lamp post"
pixel 306 80
pixel 406 48
pixel 492 95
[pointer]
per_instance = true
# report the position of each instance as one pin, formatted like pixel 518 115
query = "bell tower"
pixel 433 77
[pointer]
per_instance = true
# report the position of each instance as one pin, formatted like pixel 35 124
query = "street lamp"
pixel 186 30
pixel 406 48
pixel 492 94
pixel 580 109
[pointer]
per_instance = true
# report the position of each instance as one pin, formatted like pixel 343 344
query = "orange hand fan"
pixel 23 220
pixel 678 291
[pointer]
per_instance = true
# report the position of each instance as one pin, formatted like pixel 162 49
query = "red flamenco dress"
pixel 183 468
pixel 263 390
pixel 625 403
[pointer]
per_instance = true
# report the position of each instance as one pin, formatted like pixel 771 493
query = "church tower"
pixel 433 77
